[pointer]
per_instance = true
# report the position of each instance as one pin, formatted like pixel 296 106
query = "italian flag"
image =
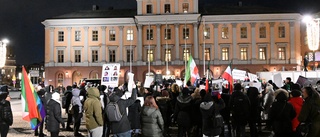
pixel 192 72
pixel 227 75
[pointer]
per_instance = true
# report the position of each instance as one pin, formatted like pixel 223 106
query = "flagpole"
pixel 166 38
pixel 185 44
pixel 204 47
pixel 149 50
pixel 131 38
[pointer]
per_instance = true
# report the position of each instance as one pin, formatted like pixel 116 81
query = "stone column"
pixel 139 7
pixel 121 44
pixel 195 41
pixel 158 6
pixel 253 41
pixel 234 41
pixel 103 45
pixel 139 42
pixel 176 6
pixel 272 46
pixel 51 45
pixel 158 50
pixel 195 6
pixel 176 27
pixel 68 58
pixel 86 44
pixel 292 43
pixel 216 42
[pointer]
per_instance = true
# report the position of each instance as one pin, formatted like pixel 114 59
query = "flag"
pixel 32 109
pixel 207 81
pixel 192 72
pixel 227 75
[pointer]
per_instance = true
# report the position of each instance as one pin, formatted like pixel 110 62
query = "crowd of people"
pixel 195 111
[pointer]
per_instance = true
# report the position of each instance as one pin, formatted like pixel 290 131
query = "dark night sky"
pixel 20 20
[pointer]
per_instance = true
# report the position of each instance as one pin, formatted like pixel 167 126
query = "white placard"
pixel 277 78
pixel 179 83
pixel 148 81
pixel 238 74
pixel 253 77
pixel 110 75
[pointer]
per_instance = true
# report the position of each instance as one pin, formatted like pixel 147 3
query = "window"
pixel 130 34
pixel 149 9
pixel 60 56
pixel 112 35
pixel 77 56
pixel 282 32
pixel 167 8
pixel 150 55
pixel 207 53
pixel 225 33
pixel 95 35
pixel 185 33
pixel 167 55
pixel 185 7
pixel 60 79
pixel 149 34
pixel 243 53
pixel 243 31
pixel 206 33
pixel 167 33
pixel 95 56
pixel 60 36
pixel 225 53
pixel 186 54
pixel 77 35
pixel 262 32
pixel 112 55
pixel 129 55
pixel 281 53
pixel 262 53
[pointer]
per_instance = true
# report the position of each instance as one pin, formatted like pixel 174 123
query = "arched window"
pixel 60 79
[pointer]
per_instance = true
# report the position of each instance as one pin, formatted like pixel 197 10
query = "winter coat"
pixel 310 113
pixel 281 114
pixel 152 124
pixel 68 95
pixel 183 111
pixel 196 114
pixel 53 117
pixel 123 125
pixel 165 108
pixel 208 110
pixel 297 103
pixel 75 100
pixel 225 112
pixel 243 118
pixel 134 115
pixel 268 99
pixel 93 109
pixel 253 95
pixel 6 112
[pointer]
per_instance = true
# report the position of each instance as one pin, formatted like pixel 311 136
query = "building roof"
pixel 112 13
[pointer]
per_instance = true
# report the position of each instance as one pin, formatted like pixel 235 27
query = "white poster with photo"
pixel 148 81
pixel 110 75
pixel 238 74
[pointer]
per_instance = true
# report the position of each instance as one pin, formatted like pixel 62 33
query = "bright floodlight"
pixel 3 52
pixel 306 18
pixel 313 34
pixel 5 41
pixel 168 72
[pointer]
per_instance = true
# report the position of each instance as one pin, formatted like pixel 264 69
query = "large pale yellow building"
pixel 160 35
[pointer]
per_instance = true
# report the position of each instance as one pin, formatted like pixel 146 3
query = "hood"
pixel 148 110
pixel 93 93
pixel 114 98
pixel 163 99
pixel 206 105
pixel 281 95
pixel 76 92
pixel 56 97
pixel 184 99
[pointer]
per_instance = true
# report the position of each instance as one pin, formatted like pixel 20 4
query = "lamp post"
pixel 312 25
pixel 3 55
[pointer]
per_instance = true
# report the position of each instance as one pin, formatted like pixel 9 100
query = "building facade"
pixel 159 36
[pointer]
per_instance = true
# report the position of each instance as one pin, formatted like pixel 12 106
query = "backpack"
pixel 113 112
pixel 240 106
pixel 64 102
pixel 217 121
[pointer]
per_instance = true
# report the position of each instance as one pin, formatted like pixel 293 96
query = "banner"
pixel 110 75
pixel 238 74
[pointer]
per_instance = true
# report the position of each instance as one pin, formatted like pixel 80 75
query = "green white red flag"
pixel 192 72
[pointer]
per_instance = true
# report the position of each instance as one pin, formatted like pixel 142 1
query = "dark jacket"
pixel 123 125
pixel 134 114
pixel 68 95
pixel 253 95
pixel 225 112
pixel 165 108
pixel 5 109
pixel 209 110
pixel 152 122
pixel 183 111
pixel 310 112
pixel 54 118
pixel 239 118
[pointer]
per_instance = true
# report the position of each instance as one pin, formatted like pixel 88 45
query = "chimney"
pixel 95 7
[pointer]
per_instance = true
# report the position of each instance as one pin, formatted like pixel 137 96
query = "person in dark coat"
pixel 164 105
pixel 225 112
pixel 196 114
pixel 134 117
pixel 281 114
pixel 240 108
pixel 54 118
pixel 254 98
pixel 68 95
pixel 182 113
pixel 152 124
pixel 41 93
pixel 6 112
pixel 287 84
pixel 210 108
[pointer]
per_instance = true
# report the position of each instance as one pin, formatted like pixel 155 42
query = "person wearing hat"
pixel 54 118
pixel 5 111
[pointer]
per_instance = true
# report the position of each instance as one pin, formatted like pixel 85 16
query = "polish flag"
pixel 227 75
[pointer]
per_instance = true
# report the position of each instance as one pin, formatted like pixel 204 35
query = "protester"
pixel 68 95
pixel 287 84
pixel 134 118
pixel 225 112
pixel 152 124
pixel 310 111
pixel 164 104
pixel 93 111
pixel 40 133
pixel 77 111
pixel 268 99
pixel 6 118
pixel 196 119
pixel 54 118
pixel 254 98
pixel 297 102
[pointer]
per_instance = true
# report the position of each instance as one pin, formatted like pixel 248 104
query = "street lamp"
pixel 312 34
pixel 3 55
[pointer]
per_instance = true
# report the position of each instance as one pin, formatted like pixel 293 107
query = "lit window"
pixel 95 56
pixel 77 56
pixel 243 31
pixel 262 32
pixel 167 33
pixel 149 34
pixel 77 35
pixel 167 8
pixel 168 55
pixel 185 33
pixel 225 33
pixel 207 33
pixel 60 56
pixel 129 55
pixel 130 34
pixel 281 53
pixel 112 35
pixel 282 32
pixel 149 9
pixel 60 36
pixel 95 35
pixel 185 7
pixel 262 53
pixel 112 55
pixel 207 54
pixel 243 53
pixel 60 79
pixel 150 55
pixel 186 54
pixel 225 53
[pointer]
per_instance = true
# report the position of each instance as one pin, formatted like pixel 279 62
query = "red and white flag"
pixel 227 75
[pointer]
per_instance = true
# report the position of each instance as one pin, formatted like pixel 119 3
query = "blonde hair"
pixel 175 88
pixel 149 101
pixel 196 93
